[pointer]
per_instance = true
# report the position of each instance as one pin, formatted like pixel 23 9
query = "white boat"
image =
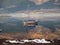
pixel 30 23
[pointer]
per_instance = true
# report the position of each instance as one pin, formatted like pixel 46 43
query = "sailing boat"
pixel 30 21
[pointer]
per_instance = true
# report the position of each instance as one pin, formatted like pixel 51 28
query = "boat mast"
pixel 28 11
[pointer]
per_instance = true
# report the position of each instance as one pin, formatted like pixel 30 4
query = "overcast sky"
pixel 13 6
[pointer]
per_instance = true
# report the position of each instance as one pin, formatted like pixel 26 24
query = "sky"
pixel 37 9
pixel 13 6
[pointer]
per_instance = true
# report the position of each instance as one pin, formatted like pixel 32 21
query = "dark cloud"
pixel 56 2
pixel 11 6
pixel 1 2
pixel 39 2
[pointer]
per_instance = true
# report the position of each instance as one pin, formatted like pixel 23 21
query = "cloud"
pixel 55 10
pixel 34 14
pixel 11 6
pixel 56 2
pixel 1 8
pixel 39 2
pixel 37 15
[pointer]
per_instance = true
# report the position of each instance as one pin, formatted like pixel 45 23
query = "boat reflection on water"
pixel 0 30
pixel 29 24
